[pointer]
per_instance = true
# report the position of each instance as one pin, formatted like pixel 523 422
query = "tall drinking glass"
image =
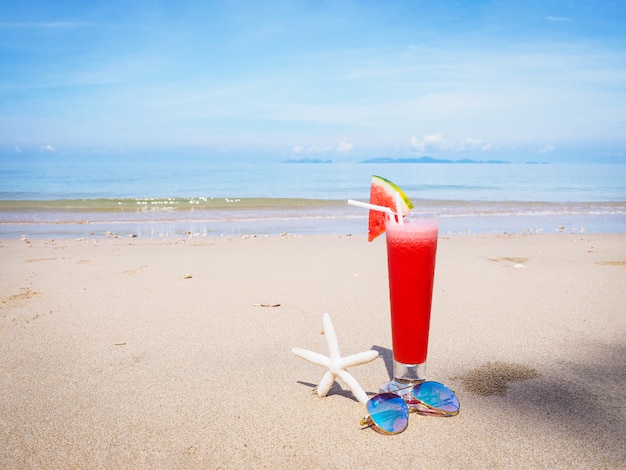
pixel 411 250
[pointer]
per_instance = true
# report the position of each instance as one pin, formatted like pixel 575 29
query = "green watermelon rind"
pixel 385 182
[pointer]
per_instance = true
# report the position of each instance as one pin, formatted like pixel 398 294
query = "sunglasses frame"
pixel 413 404
pixel 368 421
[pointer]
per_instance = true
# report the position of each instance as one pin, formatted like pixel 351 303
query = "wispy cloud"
pixel 547 149
pixel 344 147
pixel 430 141
pixel 301 149
pixel 437 141
pixel 559 19
pixel 45 25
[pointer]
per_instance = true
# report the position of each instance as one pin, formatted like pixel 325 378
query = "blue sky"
pixel 341 80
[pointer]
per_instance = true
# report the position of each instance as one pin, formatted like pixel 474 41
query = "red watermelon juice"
pixel 411 250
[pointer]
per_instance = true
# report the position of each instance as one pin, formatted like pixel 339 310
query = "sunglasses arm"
pixel 366 421
pixel 422 408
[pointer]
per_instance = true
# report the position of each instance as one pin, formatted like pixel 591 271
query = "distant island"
pixel 306 160
pixel 427 160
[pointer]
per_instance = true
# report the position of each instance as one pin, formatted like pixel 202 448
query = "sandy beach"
pixel 176 353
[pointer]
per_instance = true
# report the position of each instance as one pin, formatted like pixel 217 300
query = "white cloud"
pixel 429 141
pixel 299 149
pixel 317 149
pixel 437 141
pixel 344 147
pixel 417 144
pixel 547 149
pixel 558 18
pixel 48 148
pixel 470 144
pixel 43 25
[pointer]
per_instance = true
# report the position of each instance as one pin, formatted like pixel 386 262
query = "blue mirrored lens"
pixel 436 395
pixel 389 412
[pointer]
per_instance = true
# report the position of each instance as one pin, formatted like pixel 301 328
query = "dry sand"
pixel 157 353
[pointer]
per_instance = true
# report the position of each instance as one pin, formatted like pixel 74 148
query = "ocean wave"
pixel 206 208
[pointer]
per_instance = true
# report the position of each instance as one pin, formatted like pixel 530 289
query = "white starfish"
pixel 337 365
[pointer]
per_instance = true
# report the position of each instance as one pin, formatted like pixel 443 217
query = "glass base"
pixel 404 377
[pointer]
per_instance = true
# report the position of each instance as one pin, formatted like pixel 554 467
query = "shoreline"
pixel 309 225
pixel 158 352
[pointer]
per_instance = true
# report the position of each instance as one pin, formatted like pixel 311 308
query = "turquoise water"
pixel 56 196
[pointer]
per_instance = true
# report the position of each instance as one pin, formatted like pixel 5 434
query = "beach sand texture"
pixel 174 353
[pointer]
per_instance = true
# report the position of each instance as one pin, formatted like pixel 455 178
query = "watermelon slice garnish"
pixel 383 193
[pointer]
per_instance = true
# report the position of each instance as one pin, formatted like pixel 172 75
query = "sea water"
pixel 56 196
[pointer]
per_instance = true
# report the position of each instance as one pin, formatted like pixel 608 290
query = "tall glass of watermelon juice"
pixel 411 250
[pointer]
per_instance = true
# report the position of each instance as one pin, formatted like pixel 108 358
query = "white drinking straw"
pixel 399 208
pixel 374 207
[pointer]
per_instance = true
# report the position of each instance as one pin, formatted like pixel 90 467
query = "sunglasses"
pixel 389 412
